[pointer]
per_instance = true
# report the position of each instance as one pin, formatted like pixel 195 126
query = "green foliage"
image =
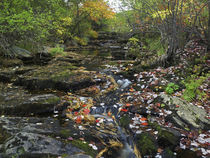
pixel 120 23
pixel 171 88
pixel 134 47
pixel 57 51
pixel 192 85
pixel 155 45
pixel 82 41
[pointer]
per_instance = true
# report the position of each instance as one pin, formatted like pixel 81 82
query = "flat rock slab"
pixel 186 114
pixel 34 137
pixel 17 101
pixel 61 76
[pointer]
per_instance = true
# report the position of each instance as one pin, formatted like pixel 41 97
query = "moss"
pixel 146 144
pixel 85 147
pixel 61 75
pixel 65 133
pixel 165 138
pixel 3 135
pixel 124 121
pixel 52 100
pixel 10 62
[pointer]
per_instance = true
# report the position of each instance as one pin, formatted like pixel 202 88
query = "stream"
pixel 80 105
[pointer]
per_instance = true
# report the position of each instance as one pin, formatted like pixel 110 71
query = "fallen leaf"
pixel 109 113
pixel 84 105
pixel 144 124
pixel 128 104
pixel 78 120
pixel 158 104
pixel 124 110
pixel 143 119
pixel 86 111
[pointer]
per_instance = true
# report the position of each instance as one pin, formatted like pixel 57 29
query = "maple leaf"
pixel 78 120
pixel 86 111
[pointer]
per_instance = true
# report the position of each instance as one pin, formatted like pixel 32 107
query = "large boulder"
pixel 185 114
pixel 22 54
pixel 34 137
pixel 17 101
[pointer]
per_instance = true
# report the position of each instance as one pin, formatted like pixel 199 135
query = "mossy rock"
pixel 3 135
pixel 166 138
pixel 4 62
pixel 124 121
pixel 146 144
pixel 167 153
pixel 187 154
pixel 65 133
pixel 60 75
pixel 85 147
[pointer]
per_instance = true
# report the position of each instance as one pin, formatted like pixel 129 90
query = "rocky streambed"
pixel 69 108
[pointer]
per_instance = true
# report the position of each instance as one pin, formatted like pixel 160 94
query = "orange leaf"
pixel 109 113
pixel 84 105
pixel 143 119
pixel 128 104
pixel 124 110
pixel 144 124
pixel 158 104
pixel 79 119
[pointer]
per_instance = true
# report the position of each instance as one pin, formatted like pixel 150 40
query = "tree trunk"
pixel 208 35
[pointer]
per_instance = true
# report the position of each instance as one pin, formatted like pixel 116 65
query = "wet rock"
pixel 124 121
pixel 186 114
pixel 78 156
pixel 167 139
pixel 16 101
pixel 25 143
pixel 58 76
pixel 187 154
pixel 167 153
pixel 30 137
pixel 36 137
pixel 146 144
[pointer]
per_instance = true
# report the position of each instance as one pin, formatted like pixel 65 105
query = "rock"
pixel 124 121
pixel 22 54
pixel 146 144
pixel 5 62
pixel 167 139
pixel 17 101
pixel 78 156
pixel 187 154
pixel 25 143
pixel 123 83
pixel 34 137
pixel 167 153
pixel 59 76
pixel 8 75
pixel 186 114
